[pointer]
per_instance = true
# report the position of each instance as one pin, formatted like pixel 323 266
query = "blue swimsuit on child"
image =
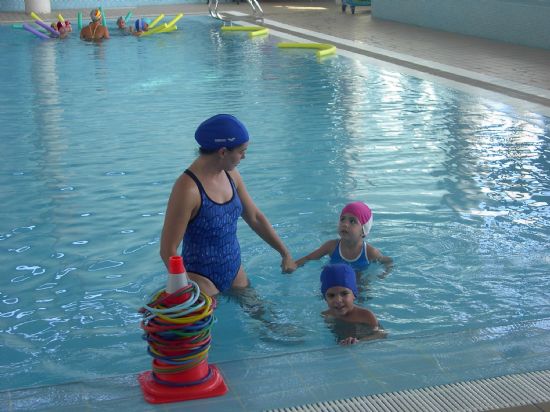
pixel 360 263
pixel 210 246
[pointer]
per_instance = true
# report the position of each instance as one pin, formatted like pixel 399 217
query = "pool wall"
pixel 522 22
pixel 19 5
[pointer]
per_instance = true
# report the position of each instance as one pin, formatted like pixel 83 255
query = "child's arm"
pixel 377 334
pixel 367 317
pixel 374 255
pixel 317 254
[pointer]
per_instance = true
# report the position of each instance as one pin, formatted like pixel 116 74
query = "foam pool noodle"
pixel 174 20
pixel 103 17
pixel 35 16
pixel 157 29
pixel 155 22
pixel 53 32
pixel 35 32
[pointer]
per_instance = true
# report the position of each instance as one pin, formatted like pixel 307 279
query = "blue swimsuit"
pixel 210 246
pixel 360 263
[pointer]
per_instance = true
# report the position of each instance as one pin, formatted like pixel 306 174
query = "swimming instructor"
pixel 205 204
pixel 94 30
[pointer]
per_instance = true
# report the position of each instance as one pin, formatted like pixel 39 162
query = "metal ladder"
pixel 258 13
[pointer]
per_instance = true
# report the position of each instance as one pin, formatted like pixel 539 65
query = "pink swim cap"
pixel 362 212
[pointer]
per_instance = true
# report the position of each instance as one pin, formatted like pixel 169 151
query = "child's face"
pixel 339 300
pixel 349 227
pixel 121 24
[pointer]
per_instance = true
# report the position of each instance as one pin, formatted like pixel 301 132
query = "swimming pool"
pixel 94 136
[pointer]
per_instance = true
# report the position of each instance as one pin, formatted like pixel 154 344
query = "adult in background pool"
pixel 94 30
pixel 205 204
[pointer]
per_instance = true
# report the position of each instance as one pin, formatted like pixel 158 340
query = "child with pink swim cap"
pixel 351 248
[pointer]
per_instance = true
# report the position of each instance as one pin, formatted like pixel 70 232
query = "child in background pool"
pixel 140 26
pixel 350 323
pixel 94 30
pixel 62 30
pixel 352 248
pixel 121 23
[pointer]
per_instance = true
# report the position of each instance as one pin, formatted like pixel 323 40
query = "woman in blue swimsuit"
pixel 205 204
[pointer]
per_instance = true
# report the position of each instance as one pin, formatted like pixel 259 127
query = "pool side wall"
pixel 522 22
pixel 19 5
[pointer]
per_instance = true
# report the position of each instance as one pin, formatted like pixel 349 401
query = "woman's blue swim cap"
pixel 221 130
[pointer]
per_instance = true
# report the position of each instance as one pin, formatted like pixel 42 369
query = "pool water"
pixel 94 135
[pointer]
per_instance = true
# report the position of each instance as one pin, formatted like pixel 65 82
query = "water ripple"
pixel 106 264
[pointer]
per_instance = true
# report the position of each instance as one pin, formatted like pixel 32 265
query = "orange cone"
pixel 177 325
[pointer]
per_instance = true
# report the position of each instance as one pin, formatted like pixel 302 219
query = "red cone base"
pixel 154 392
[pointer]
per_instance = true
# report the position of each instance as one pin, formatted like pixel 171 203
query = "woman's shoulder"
pixel 187 183
pixel 238 181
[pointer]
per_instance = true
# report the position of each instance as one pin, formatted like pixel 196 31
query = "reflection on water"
pixel 94 136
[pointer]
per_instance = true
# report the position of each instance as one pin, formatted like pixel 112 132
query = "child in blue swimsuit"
pixel 352 247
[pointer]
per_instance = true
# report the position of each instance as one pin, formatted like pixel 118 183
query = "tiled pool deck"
pixel 520 73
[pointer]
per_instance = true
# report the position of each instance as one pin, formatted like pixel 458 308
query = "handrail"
pixel 258 13
pixel 213 10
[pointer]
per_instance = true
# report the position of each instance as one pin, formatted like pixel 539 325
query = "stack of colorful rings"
pixel 177 329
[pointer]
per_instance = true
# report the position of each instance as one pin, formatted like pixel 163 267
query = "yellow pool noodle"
pixel 175 19
pixel 323 49
pixel 168 29
pixel 35 16
pixel 60 18
pixel 261 32
pixel 242 28
pixel 157 29
pixel 155 22
pixel 253 30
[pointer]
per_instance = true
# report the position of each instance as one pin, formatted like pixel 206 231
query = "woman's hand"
pixel 288 265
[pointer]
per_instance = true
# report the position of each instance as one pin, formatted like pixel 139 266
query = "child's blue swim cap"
pixel 139 25
pixel 338 274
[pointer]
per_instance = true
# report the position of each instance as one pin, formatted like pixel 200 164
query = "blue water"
pixel 94 135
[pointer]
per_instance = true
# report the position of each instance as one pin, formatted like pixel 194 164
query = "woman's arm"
pixel 183 203
pixel 259 223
